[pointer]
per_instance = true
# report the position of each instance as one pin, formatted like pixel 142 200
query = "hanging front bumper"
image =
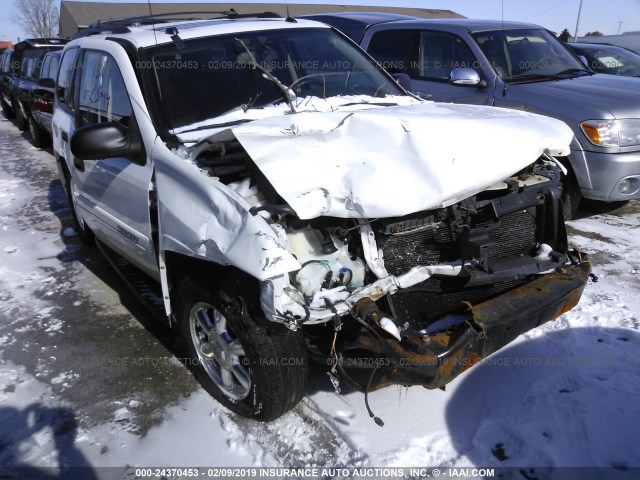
pixel 435 360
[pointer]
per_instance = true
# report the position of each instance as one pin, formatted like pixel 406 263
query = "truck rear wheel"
pixel 39 137
pixel 6 109
pixel 255 371
pixel 21 117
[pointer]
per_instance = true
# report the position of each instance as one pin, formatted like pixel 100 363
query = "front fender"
pixel 200 217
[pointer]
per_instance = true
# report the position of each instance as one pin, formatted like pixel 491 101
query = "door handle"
pixel 64 135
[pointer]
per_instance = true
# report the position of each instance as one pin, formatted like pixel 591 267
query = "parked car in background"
pixel 40 99
pixel 524 67
pixel 272 193
pixel 608 59
pixel 6 79
pixel 26 64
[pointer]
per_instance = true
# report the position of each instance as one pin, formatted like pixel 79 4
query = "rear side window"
pixel 102 93
pixel 31 64
pixel 65 78
pixel 5 65
pixel 395 50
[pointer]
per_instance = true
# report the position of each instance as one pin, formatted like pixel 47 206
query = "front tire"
pixel 255 371
pixel 85 234
pixel 571 195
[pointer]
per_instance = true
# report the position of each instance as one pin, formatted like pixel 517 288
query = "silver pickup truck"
pixel 274 195
pixel 519 66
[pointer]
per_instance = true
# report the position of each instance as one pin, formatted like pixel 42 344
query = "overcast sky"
pixel 556 15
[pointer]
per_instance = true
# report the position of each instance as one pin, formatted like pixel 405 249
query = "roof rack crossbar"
pixel 166 17
pixel 121 25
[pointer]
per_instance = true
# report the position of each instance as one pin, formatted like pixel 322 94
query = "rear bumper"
pixel 434 361
pixel 42 119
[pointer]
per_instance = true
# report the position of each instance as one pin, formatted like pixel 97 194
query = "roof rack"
pixel 121 25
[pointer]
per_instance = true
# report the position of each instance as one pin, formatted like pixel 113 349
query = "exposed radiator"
pixel 514 234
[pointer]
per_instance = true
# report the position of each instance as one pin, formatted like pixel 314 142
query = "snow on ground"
pixel 565 394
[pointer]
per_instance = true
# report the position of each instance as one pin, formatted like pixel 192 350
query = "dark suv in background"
pixel 39 99
pixel 6 78
pixel 21 76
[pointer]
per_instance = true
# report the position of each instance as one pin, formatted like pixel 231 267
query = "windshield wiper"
pixel 549 76
pixel 530 77
pixel 253 106
pixel 215 125
pixel 375 104
pixel 573 71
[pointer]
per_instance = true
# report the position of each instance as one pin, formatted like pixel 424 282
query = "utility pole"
pixel 619 27
pixel 575 37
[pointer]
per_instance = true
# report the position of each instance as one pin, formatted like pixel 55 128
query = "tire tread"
pixel 280 387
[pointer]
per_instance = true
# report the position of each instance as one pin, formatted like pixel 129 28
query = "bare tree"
pixel 39 18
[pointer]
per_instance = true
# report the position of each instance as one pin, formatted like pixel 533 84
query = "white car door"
pixel 112 194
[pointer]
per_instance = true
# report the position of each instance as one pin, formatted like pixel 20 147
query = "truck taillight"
pixel 43 105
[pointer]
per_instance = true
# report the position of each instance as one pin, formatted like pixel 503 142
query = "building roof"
pixel 76 15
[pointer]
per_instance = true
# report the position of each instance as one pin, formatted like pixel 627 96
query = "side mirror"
pixel 403 80
pixel 105 140
pixel 466 77
pixel 584 60
pixel 47 83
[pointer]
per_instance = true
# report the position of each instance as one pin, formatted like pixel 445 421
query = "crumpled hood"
pixel 395 160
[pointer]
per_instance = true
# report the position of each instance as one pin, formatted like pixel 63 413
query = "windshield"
pixel 214 75
pixel 614 61
pixel 527 54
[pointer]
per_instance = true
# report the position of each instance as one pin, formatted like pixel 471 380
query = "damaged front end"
pixel 417 300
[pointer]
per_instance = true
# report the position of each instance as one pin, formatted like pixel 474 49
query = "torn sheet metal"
pixel 394 160
pixel 210 221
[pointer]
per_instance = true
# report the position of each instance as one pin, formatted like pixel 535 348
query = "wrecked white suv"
pixel 278 197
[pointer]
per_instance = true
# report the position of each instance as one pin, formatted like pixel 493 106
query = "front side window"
pixel 66 72
pixel 441 52
pixel 102 94
pixel 214 75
